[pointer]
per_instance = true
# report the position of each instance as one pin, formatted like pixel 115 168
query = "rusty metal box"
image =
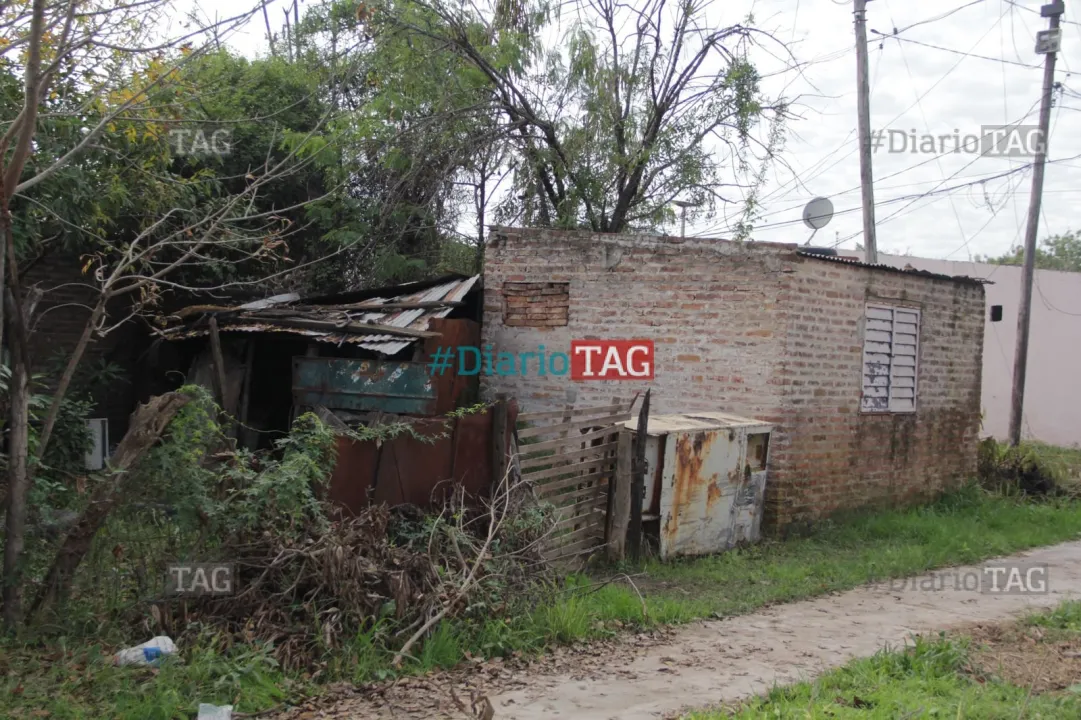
pixel 705 481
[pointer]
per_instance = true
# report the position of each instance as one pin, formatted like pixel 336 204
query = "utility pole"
pixel 1047 43
pixel 863 90
pixel 683 205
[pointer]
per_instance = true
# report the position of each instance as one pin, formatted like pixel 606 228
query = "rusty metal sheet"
pixel 413 471
pixel 406 470
pixel 713 488
pixel 256 319
pixel 363 385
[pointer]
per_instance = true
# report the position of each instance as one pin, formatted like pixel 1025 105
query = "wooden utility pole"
pixel 1048 44
pixel 863 90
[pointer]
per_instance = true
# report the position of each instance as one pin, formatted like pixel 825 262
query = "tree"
pixel 105 95
pixel 605 132
pixel 1058 252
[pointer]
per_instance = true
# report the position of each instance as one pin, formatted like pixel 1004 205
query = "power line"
pixel 902 113
pixel 891 201
pixel 943 16
pixel 1015 4
pixel 968 165
pixel 919 104
pixel 959 52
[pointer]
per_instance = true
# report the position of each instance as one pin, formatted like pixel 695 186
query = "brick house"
pixel 870 374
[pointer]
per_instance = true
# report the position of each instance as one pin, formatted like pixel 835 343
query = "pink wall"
pixel 1053 386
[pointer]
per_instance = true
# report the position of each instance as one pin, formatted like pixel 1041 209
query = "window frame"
pixel 893 309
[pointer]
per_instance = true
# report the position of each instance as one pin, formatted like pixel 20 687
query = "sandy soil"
pixel 710 662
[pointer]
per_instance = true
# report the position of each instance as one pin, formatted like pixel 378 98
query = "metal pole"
pixel 683 222
pixel 863 90
pixel 1024 314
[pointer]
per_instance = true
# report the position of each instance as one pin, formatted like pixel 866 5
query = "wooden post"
pixel 619 507
pixel 863 122
pixel 245 396
pixel 499 440
pixel 219 363
pixel 638 484
pixel 1054 11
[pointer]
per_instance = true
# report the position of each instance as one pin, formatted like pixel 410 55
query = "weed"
pixel 1031 468
pixel 934 677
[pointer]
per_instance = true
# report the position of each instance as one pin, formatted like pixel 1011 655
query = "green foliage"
pixel 282 495
pixel 1031 468
pixel 273 492
pixel 1058 252
pixel 1066 617
pixel 54 482
pixel 592 135
pixel 80 683
pixel 962 528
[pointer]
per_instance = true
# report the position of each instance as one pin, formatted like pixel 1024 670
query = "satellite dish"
pixel 818 213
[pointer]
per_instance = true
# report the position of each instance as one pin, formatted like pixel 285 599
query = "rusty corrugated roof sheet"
pixel 288 314
pixel 891 268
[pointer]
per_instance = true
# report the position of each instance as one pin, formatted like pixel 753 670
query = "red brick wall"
pixel 830 456
pixel 756 330
pixel 711 309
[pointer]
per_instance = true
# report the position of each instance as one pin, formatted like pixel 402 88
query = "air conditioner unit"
pixel 705 481
pixel 99 451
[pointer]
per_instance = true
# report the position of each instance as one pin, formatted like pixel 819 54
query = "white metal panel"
pixel 99 450
pixel 711 498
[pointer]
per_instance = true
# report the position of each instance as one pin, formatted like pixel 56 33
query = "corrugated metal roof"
pixel 261 316
pixel 891 268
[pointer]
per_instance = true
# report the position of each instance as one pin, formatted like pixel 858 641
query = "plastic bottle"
pixel 149 653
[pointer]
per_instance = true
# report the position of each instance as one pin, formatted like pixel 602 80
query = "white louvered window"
pixel 891 346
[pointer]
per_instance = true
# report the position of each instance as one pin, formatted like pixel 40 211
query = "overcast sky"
pixel 928 90
pixel 914 87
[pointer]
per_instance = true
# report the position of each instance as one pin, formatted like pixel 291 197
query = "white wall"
pixel 1053 386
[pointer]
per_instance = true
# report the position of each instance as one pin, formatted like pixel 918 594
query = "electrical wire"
pixel 919 104
pixel 966 166
pixel 1017 5
pixel 898 116
pixel 959 52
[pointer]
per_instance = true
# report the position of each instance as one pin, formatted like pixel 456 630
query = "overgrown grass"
pixel 933 678
pixel 965 527
pixel 1031 468
pixel 84 683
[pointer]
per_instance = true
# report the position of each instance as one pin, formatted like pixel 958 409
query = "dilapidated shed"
pixel 351 353
pixel 353 358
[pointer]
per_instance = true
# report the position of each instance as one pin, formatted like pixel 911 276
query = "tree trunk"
pixel 18 454
pixel 18 489
pixel 148 423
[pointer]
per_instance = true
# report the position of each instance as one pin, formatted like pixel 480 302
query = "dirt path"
pixel 714 661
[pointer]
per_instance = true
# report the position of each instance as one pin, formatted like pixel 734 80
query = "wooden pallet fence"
pixel 570 457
